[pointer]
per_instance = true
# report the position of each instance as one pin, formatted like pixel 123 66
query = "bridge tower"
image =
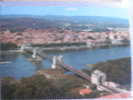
pixel 34 55
pixel 60 59
pixel 54 65
pixel 57 60
pixel 22 48
pixel 98 77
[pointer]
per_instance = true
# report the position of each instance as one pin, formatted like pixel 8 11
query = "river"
pixel 19 66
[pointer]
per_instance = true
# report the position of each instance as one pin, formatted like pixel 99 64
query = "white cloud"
pixel 125 3
pixel 110 3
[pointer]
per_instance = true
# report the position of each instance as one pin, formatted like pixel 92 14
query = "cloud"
pixel 125 4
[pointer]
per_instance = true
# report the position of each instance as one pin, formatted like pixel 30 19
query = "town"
pixel 48 36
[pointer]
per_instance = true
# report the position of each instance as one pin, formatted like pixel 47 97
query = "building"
pixel 85 91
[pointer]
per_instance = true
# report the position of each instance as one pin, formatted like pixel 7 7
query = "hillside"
pixel 118 71
pixel 75 23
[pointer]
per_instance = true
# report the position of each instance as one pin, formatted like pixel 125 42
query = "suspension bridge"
pixel 58 61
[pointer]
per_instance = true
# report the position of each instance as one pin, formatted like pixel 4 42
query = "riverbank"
pixel 81 45
pixel 69 47
pixel 76 48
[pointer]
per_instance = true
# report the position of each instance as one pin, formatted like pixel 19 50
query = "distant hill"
pixel 78 23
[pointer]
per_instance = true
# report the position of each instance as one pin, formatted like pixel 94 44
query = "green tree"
pixel 8 46
pixel 7 88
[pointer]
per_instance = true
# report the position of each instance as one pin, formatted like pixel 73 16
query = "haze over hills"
pixel 76 23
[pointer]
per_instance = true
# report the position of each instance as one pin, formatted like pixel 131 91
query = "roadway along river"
pixel 19 65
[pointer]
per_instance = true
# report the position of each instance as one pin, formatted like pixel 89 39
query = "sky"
pixel 65 10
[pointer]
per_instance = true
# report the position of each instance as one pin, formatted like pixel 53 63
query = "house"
pixel 85 91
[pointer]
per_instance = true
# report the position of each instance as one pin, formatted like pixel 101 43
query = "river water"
pixel 18 65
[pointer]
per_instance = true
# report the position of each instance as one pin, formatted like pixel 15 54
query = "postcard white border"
pixel 130 11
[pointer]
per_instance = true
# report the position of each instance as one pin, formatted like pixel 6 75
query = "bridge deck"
pixel 78 72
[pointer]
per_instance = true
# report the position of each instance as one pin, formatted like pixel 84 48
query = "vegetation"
pixel 20 23
pixel 61 44
pixel 7 46
pixel 116 70
pixel 38 87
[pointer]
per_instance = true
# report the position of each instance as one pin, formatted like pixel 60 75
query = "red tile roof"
pixel 85 91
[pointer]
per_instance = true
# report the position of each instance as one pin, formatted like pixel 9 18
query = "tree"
pixel 118 71
pixel 8 46
pixel 7 88
pixel 35 87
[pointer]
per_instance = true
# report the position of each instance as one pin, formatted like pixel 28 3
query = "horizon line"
pixel 60 15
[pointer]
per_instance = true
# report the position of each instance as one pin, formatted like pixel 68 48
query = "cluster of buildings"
pixel 62 36
pixel 110 89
